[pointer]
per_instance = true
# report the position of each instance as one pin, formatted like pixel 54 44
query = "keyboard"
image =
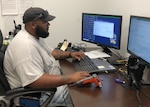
pixel 85 65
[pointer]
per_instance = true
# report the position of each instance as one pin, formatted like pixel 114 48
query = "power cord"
pixel 136 88
pixel 137 94
pixel 124 76
pixel 146 95
pixel 138 97
pixel 133 87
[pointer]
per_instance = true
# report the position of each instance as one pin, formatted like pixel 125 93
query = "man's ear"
pixel 33 25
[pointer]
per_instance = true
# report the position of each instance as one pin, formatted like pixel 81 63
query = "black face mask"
pixel 40 32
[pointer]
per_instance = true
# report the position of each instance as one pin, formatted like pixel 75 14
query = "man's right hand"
pixel 74 77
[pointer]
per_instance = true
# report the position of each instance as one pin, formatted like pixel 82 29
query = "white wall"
pixel 67 24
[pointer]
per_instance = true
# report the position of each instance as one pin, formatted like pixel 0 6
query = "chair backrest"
pixel 4 85
pixel 1 38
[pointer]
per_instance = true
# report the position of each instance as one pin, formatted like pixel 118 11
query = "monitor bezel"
pixel 104 45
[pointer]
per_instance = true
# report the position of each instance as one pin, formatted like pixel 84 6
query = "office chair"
pixel 1 38
pixel 7 95
pixel 2 46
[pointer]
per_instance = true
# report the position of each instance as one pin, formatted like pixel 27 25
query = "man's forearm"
pixel 58 54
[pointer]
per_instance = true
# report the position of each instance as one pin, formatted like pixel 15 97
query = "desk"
pixel 111 94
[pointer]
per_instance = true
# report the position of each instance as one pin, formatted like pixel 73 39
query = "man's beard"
pixel 40 32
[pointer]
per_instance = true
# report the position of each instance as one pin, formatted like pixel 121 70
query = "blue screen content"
pixel 103 30
pixel 139 37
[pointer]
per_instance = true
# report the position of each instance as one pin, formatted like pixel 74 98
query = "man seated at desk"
pixel 30 62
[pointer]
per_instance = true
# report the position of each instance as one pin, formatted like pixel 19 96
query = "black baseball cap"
pixel 34 13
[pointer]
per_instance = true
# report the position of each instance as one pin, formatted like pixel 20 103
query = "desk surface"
pixel 111 94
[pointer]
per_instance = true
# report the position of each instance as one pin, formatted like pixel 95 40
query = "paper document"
pixel 9 7
pixel 97 54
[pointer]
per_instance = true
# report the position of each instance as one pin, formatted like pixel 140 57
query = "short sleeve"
pixel 28 71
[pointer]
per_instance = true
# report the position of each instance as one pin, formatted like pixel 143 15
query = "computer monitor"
pixel 101 29
pixel 139 38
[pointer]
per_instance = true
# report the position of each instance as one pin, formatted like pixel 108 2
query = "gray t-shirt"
pixel 27 58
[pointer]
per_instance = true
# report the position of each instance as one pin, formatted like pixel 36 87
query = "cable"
pixel 138 98
pixel 135 86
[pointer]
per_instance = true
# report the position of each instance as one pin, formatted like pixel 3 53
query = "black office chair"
pixel 1 38
pixel 7 95
pixel 2 46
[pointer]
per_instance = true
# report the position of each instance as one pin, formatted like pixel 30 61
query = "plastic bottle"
pixel 6 40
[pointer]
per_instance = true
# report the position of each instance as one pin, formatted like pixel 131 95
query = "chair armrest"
pixel 5 101
pixel 23 91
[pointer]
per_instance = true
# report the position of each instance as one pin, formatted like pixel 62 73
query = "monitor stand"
pixel 105 49
pixel 146 76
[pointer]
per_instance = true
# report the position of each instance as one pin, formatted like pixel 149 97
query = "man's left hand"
pixel 77 55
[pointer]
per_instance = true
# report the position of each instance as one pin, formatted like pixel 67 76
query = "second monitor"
pixel 103 30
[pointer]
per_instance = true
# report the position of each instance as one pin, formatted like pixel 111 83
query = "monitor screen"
pixel 139 37
pixel 101 29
